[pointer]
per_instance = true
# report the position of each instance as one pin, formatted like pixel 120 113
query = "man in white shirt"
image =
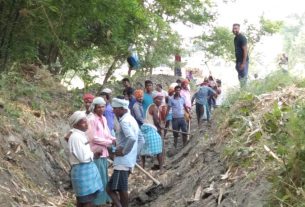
pixel 125 153
pixel 85 177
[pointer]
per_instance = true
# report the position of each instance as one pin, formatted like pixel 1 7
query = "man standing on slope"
pixel 178 106
pixel 125 153
pixel 241 54
pixel 147 98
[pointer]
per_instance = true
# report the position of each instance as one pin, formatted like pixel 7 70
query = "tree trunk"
pixel 110 70
pixel 48 55
pixel 150 71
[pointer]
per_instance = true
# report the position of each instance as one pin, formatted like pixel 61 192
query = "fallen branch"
pixel 198 194
pixel 273 154
pixel 5 188
pixel 221 190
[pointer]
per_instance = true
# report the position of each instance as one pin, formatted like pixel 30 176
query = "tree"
pixel 62 30
pixel 79 36
pixel 219 41
pixel 158 42
pixel 294 39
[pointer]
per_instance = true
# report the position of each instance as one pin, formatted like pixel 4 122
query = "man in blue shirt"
pixel 147 98
pixel 202 96
pixel 178 106
pixel 109 115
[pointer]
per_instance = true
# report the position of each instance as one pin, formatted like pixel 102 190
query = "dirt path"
pixel 198 176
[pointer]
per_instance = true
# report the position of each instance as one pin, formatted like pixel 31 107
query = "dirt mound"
pixel 226 164
pixel 33 113
pixel 198 176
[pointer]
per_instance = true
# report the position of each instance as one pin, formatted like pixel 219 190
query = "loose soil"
pixel 196 176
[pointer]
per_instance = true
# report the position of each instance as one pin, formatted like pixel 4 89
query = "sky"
pixel 249 9
pixel 239 10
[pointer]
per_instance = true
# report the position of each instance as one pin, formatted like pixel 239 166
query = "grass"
pixel 272 82
pixel 248 125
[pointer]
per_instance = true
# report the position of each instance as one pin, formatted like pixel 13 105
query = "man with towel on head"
pixel 100 139
pixel 137 109
pixel 125 153
pixel 87 98
pixel 85 177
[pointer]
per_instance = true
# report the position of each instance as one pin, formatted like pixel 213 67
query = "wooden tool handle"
pixel 176 131
pixel 148 175
pixel 144 171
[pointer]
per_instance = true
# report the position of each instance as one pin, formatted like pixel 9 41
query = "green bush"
pixel 289 186
pixel 282 128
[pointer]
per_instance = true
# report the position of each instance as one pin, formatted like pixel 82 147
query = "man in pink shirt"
pixel 186 93
pixel 100 139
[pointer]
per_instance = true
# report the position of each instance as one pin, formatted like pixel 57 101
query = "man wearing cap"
pixel 108 113
pixel 85 178
pixel 125 153
pixel 100 139
pixel 151 130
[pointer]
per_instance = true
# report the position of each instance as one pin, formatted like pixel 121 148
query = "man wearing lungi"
pixel 125 153
pixel 85 177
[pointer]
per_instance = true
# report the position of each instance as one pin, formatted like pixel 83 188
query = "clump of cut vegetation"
pixel 264 135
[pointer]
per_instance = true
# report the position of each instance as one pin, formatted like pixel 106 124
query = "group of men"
pixel 127 129
pixel 133 126
pixel 92 141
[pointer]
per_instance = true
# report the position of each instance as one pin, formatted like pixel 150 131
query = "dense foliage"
pixel 81 36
